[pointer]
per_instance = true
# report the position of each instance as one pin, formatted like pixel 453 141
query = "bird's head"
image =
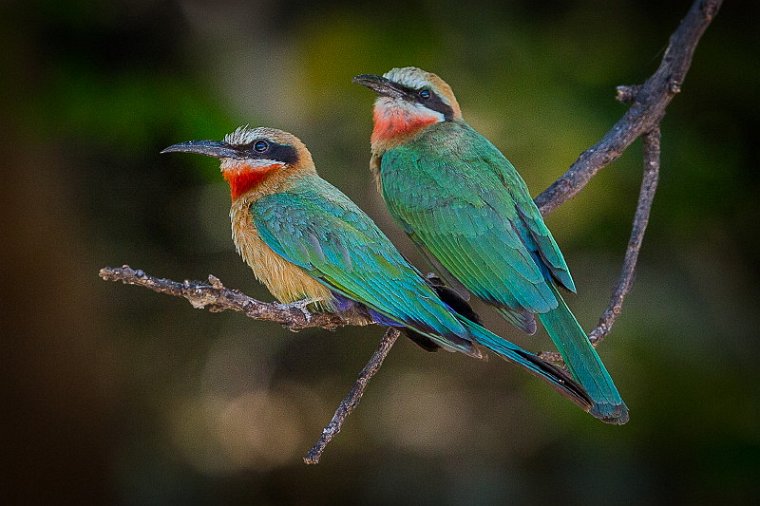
pixel 409 100
pixel 254 158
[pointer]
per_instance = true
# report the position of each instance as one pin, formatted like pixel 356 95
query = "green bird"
pixel 307 241
pixel 459 199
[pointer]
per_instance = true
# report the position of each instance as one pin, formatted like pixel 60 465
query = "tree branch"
pixel 349 403
pixel 217 298
pixel 645 113
pixel 648 104
pixel 640 222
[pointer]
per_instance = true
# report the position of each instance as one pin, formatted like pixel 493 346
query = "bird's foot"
pixel 302 304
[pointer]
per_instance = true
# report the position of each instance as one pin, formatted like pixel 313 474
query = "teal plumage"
pixel 304 239
pixel 461 199
pixel 464 203
pixel 316 227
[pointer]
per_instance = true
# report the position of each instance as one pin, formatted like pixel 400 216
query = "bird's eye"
pixel 424 94
pixel 261 146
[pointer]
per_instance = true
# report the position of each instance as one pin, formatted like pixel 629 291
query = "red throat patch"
pixel 245 178
pixel 396 124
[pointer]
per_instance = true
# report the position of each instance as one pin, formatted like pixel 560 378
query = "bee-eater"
pixel 305 240
pixel 463 203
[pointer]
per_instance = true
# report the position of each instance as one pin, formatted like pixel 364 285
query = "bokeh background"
pixel 116 395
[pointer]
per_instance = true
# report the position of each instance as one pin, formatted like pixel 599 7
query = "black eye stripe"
pixel 434 102
pixel 265 149
pixel 278 152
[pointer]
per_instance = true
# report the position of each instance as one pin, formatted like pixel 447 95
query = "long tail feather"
pixel 554 376
pixel 584 363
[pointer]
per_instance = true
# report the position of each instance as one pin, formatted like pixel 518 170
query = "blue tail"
pixel 584 363
pixel 556 377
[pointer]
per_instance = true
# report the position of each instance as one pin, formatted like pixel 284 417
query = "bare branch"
pixel 217 298
pixel 645 113
pixel 351 401
pixel 640 222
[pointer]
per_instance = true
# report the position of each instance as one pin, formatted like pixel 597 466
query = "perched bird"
pixel 305 240
pixel 460 200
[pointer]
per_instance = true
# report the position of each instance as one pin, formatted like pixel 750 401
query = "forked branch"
pixel 648 104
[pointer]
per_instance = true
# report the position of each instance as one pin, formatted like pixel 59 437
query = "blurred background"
pixel 117 395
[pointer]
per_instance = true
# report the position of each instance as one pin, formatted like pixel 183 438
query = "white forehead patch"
pixel 242 135
pixel 246 135
pixel 411 77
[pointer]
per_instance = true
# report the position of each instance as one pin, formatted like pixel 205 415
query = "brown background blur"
pixel 116 395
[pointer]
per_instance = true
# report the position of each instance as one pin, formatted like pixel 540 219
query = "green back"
pixel 456 195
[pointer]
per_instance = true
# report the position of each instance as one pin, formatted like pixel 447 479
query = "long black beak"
pixel 381 85
pixel 209 148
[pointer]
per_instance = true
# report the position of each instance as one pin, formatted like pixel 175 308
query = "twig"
pixel 648 104
pixel 640 222
pixel 217 298
pixel 351 401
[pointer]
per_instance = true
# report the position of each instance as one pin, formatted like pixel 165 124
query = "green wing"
pixel 450 197
pixel 319 229
pixel 538 237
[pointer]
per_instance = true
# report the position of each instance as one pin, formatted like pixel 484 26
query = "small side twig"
pixel 352 399
pixel 640 221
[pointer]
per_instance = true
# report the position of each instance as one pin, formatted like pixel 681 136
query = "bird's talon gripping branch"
pixel 302 305
pixel 305 303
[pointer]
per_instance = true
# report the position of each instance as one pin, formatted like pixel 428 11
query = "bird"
pixel 307 241
pixel 468 209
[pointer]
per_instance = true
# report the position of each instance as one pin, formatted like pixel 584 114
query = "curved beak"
pixel 214 149
pixel 381 85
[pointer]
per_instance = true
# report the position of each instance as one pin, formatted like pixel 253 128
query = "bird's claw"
pixel 302 304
